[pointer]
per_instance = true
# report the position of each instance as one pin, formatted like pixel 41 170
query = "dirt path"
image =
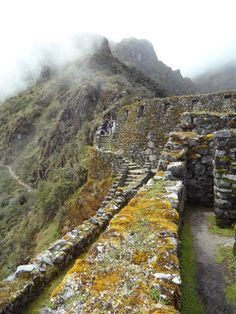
pixel 210 275
pixel 15 176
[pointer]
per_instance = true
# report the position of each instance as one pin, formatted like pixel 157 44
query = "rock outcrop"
pixel 141 55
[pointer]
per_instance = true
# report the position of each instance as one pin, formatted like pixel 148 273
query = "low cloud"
pixel 25 69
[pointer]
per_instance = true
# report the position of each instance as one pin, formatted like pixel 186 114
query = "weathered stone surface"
pixel 200 169
pixel 229 176
pixel 222 134
pixel 177 168
pixel 29 268
pixel 132 254
pixel 225 177
pixel 207 160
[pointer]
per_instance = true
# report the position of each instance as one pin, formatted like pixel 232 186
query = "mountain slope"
pixel 45 132
pixel 141 55
pixel 218 79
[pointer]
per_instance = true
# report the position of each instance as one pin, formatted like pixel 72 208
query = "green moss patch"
pixel 225 256
pixel 190 302
pixel 214 229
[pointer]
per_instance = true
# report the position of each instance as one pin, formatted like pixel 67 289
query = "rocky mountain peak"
pixel 138 51
pixel 140 54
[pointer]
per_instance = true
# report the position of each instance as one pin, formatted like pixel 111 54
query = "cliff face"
pixel 141 55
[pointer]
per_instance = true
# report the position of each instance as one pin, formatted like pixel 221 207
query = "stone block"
pixel 221 164
pixel 207 160
pixel 221 183
pixel 150 144
pixel 199 169
pixel 222 134
pixel 29 269
pixel 177 168
pixel 152 158
pixel 219 153
pixel 230 177
pixel 223 204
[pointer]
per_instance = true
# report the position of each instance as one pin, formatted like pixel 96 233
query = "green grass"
pixel 225 256
pixel 190 302
pixel 214 229
pixel 43 299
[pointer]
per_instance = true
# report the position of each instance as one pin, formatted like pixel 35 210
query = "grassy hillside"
pixel 45 132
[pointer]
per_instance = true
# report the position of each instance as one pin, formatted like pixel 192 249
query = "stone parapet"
pixel 134 265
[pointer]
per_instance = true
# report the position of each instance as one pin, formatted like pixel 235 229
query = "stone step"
pixel 104 139
pixel 129 180
pixel 130 176
pixel 133 166
pixel 108 198
pixel 112 190
pixel 136 171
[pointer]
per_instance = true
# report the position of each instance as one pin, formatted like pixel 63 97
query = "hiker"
pixel 104 128
pixel 113 129
pixel 110 125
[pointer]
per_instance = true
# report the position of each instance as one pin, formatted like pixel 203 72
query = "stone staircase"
pixel 105 142
pixel 42 268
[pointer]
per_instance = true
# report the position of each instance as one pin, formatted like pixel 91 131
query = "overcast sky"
pixel 189 35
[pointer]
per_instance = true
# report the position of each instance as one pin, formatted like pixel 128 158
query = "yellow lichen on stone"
pixel 106 281
pixel 139 257
pixel 79 266
pixel 133 263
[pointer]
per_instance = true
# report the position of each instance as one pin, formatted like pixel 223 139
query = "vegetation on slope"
pixel 45 132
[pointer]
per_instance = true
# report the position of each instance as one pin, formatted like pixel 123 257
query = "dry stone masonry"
pixel 28 280
pixel 190 141
pixel 133 267
pixel 225 176
pixel 142 127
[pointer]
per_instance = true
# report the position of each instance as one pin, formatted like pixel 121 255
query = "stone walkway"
pixel 210 274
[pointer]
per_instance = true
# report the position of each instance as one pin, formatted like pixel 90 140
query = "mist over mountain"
pixel 141 54
pixel 217 79
pixel 45 132
pixel 25 69
pixel 46 129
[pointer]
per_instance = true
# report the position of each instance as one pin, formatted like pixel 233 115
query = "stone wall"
pixel 103 165
pixel 28 280
pixel 134 266
pixel 194 151
pixel 207 122
pixel 225 176
pixel 142 127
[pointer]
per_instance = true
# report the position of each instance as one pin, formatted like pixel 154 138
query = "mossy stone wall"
pixel 103 165
pixel 225 176
pixel 142 127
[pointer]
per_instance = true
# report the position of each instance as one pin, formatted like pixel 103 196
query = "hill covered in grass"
pixel 45 131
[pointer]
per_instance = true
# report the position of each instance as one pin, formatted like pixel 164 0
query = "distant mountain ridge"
pixel 140 54
pixel 217 79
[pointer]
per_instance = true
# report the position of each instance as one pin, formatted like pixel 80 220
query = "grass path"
pixel 210 274
pixel 17 178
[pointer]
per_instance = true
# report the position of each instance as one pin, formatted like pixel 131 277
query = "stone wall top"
pixel 142 127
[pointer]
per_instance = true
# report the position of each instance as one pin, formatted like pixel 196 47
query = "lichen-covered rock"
pixel 134 265
pixel 225 177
